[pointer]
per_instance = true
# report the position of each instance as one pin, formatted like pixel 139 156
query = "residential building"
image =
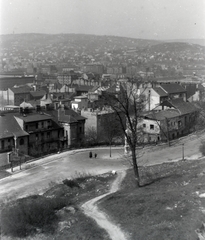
pixel 156 95
pixel 16 95
pixel 177 119
pixel 80 102
pixel 12 137
pixel 45 134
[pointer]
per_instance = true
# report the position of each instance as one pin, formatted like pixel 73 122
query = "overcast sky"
pixel 149 19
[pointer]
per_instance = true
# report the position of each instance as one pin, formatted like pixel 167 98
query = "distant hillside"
pixel 75 41
pixel 193 41
pixel 175 47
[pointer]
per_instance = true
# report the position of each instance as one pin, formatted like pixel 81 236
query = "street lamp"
pixel 182 151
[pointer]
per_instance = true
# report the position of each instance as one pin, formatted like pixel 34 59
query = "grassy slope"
pixel 167 209
pixel 58 196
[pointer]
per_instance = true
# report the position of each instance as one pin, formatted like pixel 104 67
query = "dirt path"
pixel 90 209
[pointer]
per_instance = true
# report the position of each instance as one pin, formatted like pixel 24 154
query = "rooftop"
pixel 172 88
pixel 34 117
pixel 24 89
pixel 182 106
pixel 10 127
pixel 160 91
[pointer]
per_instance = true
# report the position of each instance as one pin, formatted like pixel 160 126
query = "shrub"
pixel 71 183
pixel 202 148
pixel 24 216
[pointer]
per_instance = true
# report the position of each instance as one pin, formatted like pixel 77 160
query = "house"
pixel 73 124
pixel 10 130
pixel 156 95
pixel 46 101
pixel 45 134
pixel 177 119
pixel 174 90
pixel 16 95
pixel 82 89
pixel 79 102
pixel 12 136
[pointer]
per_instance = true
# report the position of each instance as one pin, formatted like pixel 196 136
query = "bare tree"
pixel 91 137
pixel 129 102
pixel 112 130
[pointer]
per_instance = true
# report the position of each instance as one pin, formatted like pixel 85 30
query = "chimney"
pixel 61 111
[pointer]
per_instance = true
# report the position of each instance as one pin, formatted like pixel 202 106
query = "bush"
pixel 71 183
pixel 24 216
pixel 202 148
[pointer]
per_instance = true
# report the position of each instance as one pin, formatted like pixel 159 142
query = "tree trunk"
pixel 110 150
pixel 135 166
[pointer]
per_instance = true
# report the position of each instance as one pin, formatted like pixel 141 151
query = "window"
pixel 151 127
pixel 48 135
pixel 36 136
pixel 2 144
pixel 144 125
pixel 21 142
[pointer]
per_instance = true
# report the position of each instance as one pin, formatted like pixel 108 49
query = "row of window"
pixel 151 126
pixel 39 125
pixel 10 143
pixel 48 135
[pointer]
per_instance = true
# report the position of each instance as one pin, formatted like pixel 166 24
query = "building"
pixel 156 95
pixel 79 102
pixel 16 95
pixel 73 124
pixel 12 137
pixel 45 134
pixel 177 119
pixel 100 121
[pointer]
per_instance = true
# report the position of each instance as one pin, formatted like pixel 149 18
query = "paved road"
pixel 57 167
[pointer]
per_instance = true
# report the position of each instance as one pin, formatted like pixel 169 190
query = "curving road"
pixel 56 168
pixel 69 164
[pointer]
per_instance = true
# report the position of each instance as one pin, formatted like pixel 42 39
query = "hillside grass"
pixel 55 214
pixel 167 207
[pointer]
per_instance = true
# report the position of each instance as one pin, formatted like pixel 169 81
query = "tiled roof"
pixel 182 106
pixel 163 114
pixel 74 114
pixel 83 88
pixel 34 117
pixel 24 89
pixel 38 94
pixel 67 119
pixel 160 91
pixel 172 88
pixel 10 127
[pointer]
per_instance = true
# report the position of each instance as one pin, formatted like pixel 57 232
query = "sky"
pixel 147 19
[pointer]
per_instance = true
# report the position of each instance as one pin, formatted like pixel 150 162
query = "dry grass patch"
pixel 56 214
pixel 168 207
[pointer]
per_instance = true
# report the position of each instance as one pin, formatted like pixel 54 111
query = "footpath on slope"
pixel 90 209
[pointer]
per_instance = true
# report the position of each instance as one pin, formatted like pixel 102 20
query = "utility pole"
pixel 182 151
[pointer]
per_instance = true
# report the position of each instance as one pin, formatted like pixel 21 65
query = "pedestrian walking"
pixel 95 155
pixel 90 154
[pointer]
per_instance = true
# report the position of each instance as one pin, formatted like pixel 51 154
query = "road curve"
pixel 90 209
